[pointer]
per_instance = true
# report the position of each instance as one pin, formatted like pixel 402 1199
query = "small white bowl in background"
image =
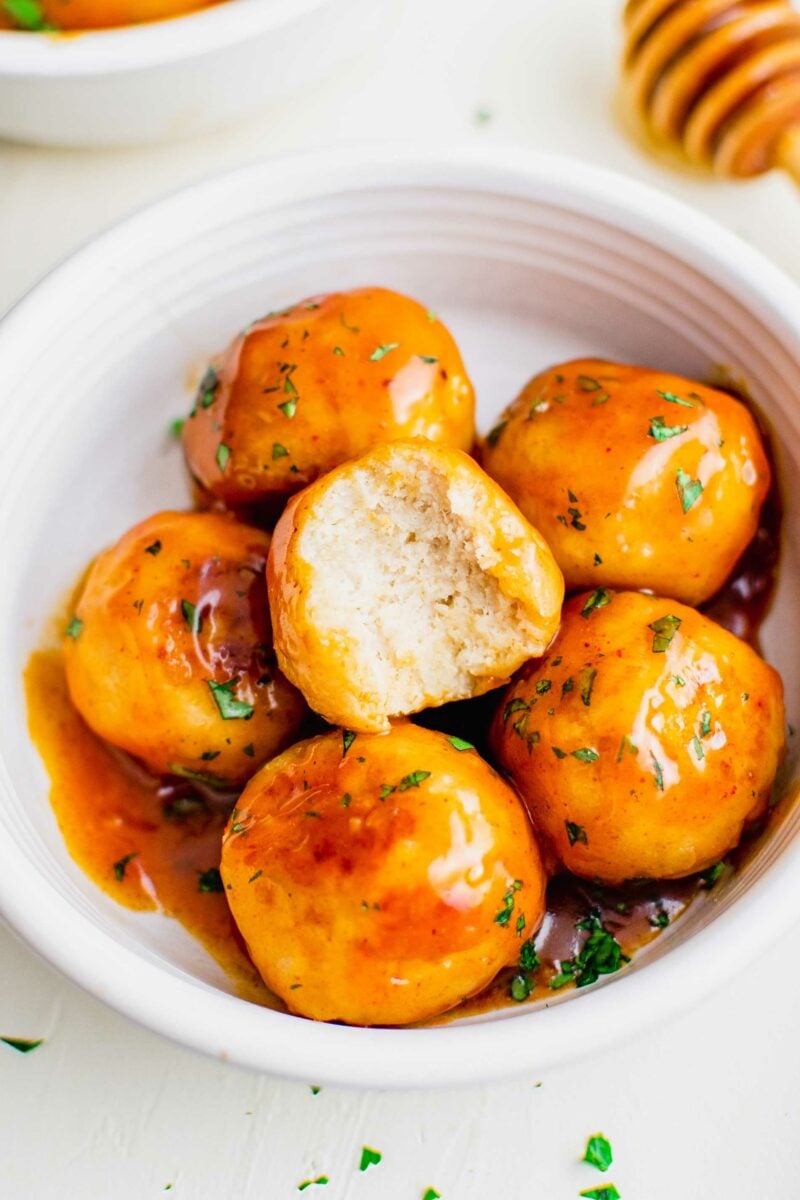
pixel 178 77
pixel 529 260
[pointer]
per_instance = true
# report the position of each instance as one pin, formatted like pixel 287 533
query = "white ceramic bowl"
pixel 170 79
pixel 528 260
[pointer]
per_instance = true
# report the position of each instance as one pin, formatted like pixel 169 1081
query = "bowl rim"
pixel 216 1023
pixel 126 48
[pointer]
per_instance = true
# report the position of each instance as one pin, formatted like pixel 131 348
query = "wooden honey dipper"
pixel 718 79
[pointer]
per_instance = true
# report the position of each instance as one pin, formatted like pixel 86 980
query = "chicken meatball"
pixel 302 390
pixel 169 651
pixel 636 479
pixel 405 579
pixel 646 740
pixel 379 879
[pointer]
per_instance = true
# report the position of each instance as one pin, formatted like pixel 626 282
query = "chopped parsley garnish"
pixel 543 686
pixel 414 779
pixel 320 1181
pixel 712 874
pixel 576 833
pixel 230 709
pixel 662 432
pixel 514 706
pixel 689 490
pixel 679 681
pixel 600 954
pixel 176 426
pixel 598 562
pixel 210 755
pixel 460 743
pixel 664 629
pixel 606 1191
pixel 249 750
pixel 222 456
pixel 210 881
pixel 626 744
pixel 567 686
pixel 705 727
pixel 558 753
pixel 206 392
pixel 426 358
pixel 520 988
pixel 315 1089
pixel 504 915
pixel 120 866
pixel 586 684
pixel 598 1152
pixel 381 351
pixel 279 451
pixel 698 748
pixel 493 436
pixel 22 1045
pixel 658 772
pixel 431 1194
pixel 193 619
pixel 671 398
pixel 73 628
pixel 387 790
pixel 660 919
pixel 289 407
pixel 256 875
pixel 27 14
pixel 338 351
pixel 599 598
pixel 154 548
pixel 585 755
pixel 346 800
pixel 369 1158
pixel 212 781
pixel 587 384
pixel 348 737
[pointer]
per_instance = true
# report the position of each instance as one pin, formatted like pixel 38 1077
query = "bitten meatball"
pixel 636 479
pixel 169 651
pixel 378 879
pixel 404 579
pixel 646 740
pixel 304 389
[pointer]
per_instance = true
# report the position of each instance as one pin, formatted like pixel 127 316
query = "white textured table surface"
pixel 707 1107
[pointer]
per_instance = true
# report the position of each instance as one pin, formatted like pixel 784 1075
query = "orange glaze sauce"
pixel 108 807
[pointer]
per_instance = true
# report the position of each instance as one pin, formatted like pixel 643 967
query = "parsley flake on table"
pixel 73 628
pixel 22 1045
pixel 320 1181
pixel 381 351
pixel 599 598
pixel 121 865
pixel 661 432
pixel 689 490
pixel 431 1194
pixel 369 1158
pixel 664 629
pixel 176 426
pixel 606 1191
pixel 210 881
pixel 598 1152
pixel 460 743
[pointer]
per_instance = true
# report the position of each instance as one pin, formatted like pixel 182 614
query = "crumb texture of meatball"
pixel 302 390
pixel 169 652
pixel 636 478
pixel 645 741
pixel 379 879
pixel 404 579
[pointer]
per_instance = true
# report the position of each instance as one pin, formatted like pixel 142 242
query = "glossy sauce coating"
pixel 76 15
pixel 381 879
pixel 149 844
pixel 304 389
pixel 636 478
pixel 645 742
pixel 169 652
